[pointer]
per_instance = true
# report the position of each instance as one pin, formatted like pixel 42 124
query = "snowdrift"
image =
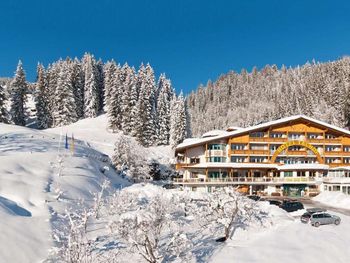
pixel 335 199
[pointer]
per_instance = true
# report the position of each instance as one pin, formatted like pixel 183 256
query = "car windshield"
pixel 306 215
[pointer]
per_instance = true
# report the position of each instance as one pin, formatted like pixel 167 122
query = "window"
pixel 276 135
pixel 216 147
pixel 312 135
pixel 288 174
pixel 330 136
pixel 273 147
pixel 237 159
pixel 346 160
pixel 237 146
pixel 294 136
pixel 194 160
pixel 257 134
pixel 346 148
pixel 217 174
pixel 217 159
pixel 256 159
pixel 331 148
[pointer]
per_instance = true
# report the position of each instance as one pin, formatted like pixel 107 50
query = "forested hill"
pixel 319 90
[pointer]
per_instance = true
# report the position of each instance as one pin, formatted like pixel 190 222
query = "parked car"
pixel 254 197
pixel 323 218
pixel 169 186
pixel 275 202
pixel 292 206
pixel 305 218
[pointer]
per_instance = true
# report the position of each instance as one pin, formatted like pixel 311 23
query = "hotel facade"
pixel 294 156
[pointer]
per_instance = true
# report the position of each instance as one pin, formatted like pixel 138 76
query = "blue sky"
pixel 191 41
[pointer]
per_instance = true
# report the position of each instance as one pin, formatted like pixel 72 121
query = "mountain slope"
pixel 31 191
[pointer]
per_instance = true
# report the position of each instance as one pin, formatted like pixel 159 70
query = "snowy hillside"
pixel 32 192
pixel 94 133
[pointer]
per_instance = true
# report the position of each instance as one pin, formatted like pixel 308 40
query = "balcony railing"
pixel 246 180
pixel 267 139
pixel 251 152
pixel 215 153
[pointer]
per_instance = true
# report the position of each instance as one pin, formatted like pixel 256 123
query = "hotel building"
pixel 294 156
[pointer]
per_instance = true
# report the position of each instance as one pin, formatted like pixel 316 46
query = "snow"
pixel 335 199
pixel 30 187
pixel 214 133
pixel 288 240
pixel 93 132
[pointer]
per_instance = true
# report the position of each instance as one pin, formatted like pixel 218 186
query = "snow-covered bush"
pixel 226 208
pixel 150 226
pixel 130 159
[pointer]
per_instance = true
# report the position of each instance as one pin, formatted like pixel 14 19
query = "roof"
pixel 214 133
pixel 200 141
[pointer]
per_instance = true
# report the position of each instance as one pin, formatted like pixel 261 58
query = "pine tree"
pixel 3 111
pixel 128 99
pixel 133 100
pixel 146 126
pixel 78 87
pixel 42 99
pixel 178 120
pixel 91 88
pixel 100 83
pixel 109 72
pixel 65 112
pixel 114 108
pixel 18 89
pixel 165 93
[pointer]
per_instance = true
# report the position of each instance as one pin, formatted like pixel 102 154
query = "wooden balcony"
pixel 179 166
pixel 333 153
pixel 250 152
pixel 267 139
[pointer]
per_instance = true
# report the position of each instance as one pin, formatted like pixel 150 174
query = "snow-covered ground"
pixel 94 132
pixel 31 190
pixel 335 199
pixel 288 240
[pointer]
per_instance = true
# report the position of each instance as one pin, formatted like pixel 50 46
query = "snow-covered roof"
pixel 185 145
pixel 303 166
pixel 214 133
pixel 346 168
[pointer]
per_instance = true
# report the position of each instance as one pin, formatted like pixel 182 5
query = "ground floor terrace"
pixel 275 181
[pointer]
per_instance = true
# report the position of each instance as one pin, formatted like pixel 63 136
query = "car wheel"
pixel 337 222
pixel 317 224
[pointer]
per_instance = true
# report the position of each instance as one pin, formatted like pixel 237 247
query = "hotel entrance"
pixel 294 190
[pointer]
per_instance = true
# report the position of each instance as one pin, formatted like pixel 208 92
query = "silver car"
pixel 318 219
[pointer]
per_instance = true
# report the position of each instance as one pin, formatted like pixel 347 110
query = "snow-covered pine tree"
pixel 109 71
pixel 134 113
pixel 91 92
pixel 100 83
pixel 42 99
pixel 113 110
pixel 65 110
pixel 128 100
pixel 18 90
pixel 3 111
pixel 165 94
pixel 146 126
pixel 177 120
pixel 78 87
